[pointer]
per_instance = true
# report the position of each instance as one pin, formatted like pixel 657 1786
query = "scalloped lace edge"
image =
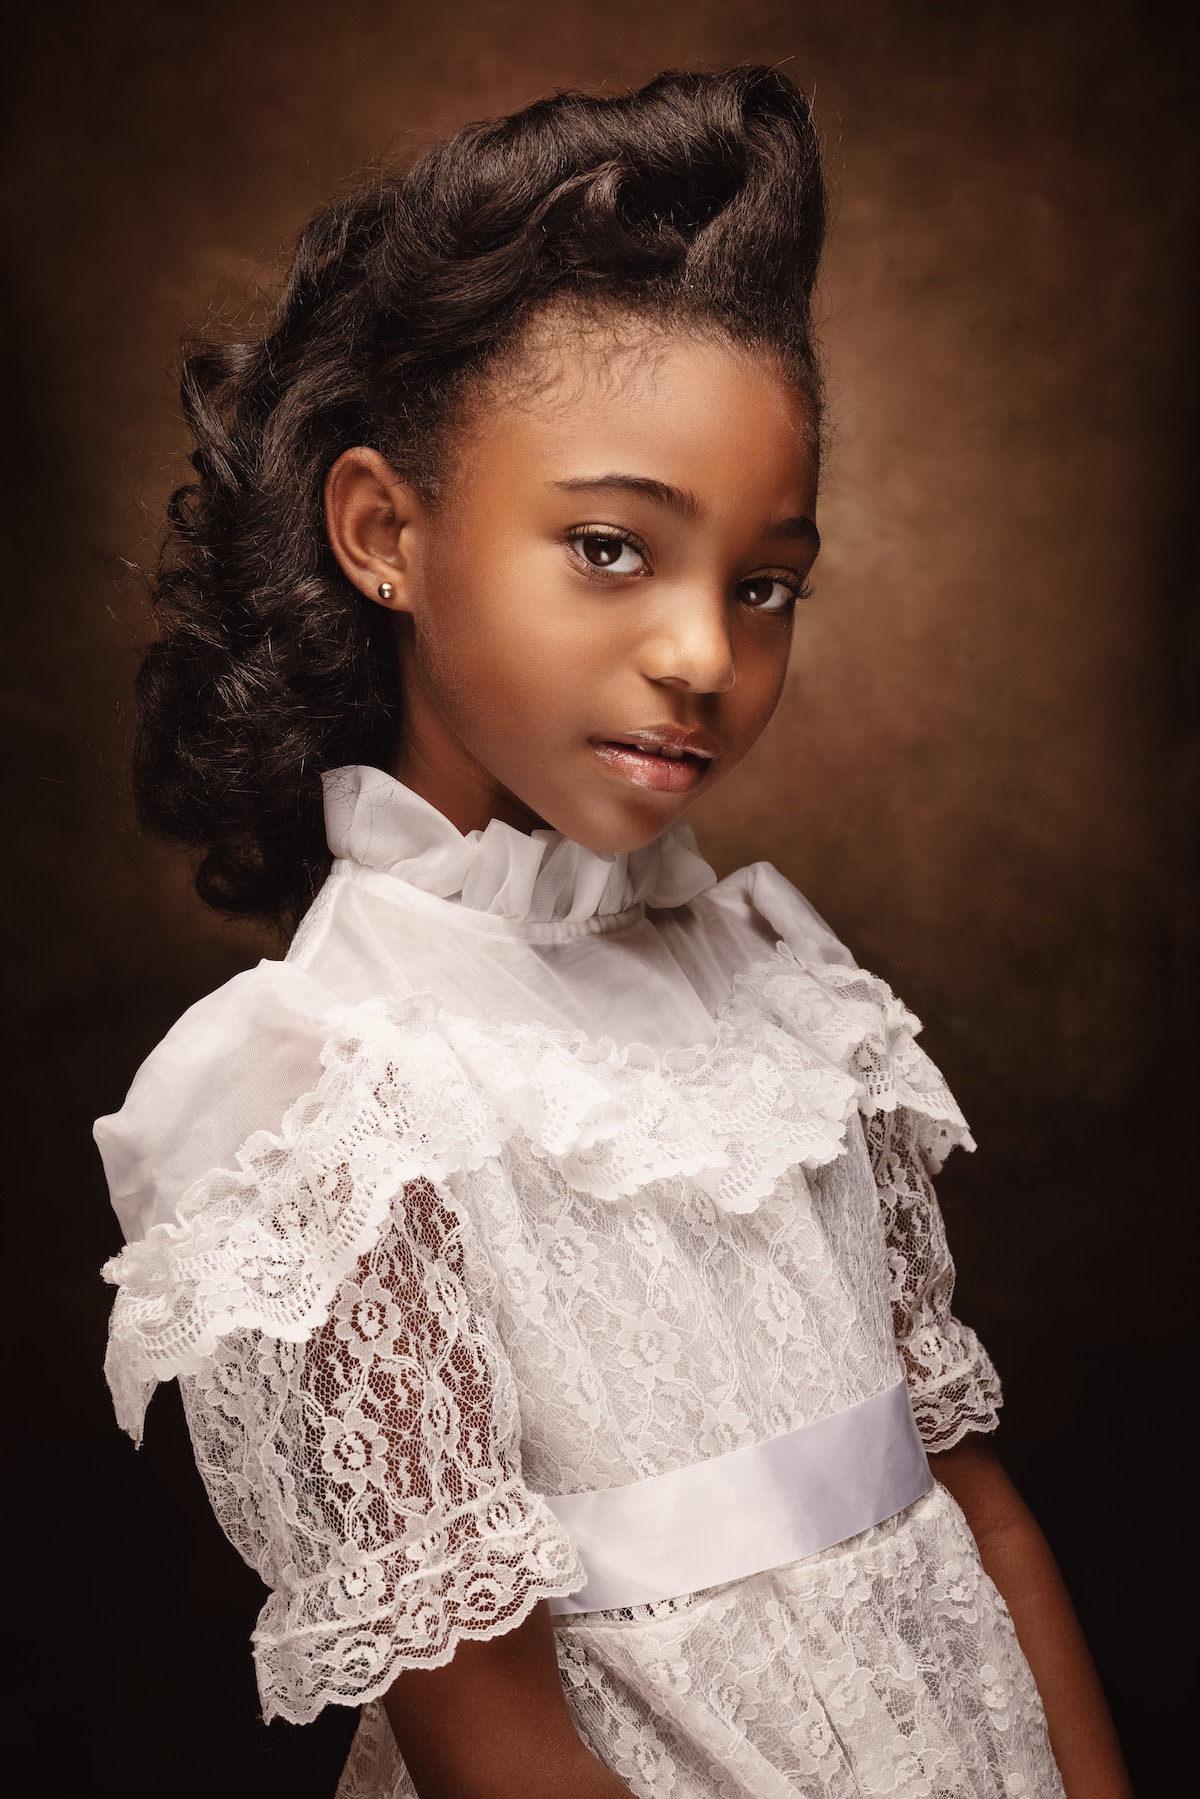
pixel 211 1245
pixel 277 1704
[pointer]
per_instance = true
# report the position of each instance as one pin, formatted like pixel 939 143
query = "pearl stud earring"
pixel 385 590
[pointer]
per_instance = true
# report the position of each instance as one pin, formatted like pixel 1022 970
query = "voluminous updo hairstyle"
pixel 697 200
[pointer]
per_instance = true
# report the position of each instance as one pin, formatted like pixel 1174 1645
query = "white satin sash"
pixel 750 1509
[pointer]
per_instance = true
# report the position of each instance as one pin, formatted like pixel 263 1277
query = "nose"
pixel 688 644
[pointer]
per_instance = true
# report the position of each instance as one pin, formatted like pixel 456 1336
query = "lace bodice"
pixel 528 1172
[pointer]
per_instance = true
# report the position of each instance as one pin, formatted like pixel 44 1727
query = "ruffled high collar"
pixel 541 878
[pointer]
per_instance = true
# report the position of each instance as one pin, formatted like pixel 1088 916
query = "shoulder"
pixel 758 908
pixel 232 1065
pixel 784 957
pixel 239 1059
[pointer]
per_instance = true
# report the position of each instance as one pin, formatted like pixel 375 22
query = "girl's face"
pixel 599 607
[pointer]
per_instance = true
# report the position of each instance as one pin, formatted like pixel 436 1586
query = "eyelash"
pixel 579 532
pixel 799 590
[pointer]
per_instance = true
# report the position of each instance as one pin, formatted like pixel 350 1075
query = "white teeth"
pixel 659 750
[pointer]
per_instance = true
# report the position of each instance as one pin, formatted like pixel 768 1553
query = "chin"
pixel 609 834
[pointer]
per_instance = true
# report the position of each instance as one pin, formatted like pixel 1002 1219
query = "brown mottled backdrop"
pixel 976 773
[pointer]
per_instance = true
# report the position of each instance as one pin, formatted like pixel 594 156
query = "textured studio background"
pixel 977 773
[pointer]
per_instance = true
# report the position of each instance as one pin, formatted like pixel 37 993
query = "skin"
pixel 510 612
pixel 617 551
pixel 1018 1559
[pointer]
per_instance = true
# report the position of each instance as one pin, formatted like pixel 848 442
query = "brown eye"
pixel 766 594
pixel 604 550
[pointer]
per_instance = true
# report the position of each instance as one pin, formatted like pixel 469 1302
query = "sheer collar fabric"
pixel 375 821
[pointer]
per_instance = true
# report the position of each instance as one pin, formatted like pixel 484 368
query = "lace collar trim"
pixel 374 820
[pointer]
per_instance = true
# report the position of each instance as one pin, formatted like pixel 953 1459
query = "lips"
pixel 666 759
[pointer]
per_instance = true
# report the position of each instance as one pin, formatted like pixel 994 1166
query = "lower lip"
pixel 647 770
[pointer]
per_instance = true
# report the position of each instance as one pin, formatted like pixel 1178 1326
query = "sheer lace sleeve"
pixel 952 1382
pixel 372 1475
pixel 354 1414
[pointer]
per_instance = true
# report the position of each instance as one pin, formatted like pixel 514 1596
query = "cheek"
pixel 492 644
pixel 761 674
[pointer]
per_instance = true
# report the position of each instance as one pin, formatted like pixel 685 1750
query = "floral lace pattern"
pixel 480 1264
pixel 372 1475
pixel 951 1380
pixel 413 1092
pixel 887 1666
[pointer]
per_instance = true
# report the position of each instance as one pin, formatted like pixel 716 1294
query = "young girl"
pixel 545 1247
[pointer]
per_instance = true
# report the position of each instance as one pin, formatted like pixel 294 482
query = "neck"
pixel 434 763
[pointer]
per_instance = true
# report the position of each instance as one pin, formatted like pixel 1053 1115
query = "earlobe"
pixel 369 517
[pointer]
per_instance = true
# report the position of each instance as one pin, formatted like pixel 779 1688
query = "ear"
pixel 372 517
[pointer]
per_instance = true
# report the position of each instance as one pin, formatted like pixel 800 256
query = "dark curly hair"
pixel 698 199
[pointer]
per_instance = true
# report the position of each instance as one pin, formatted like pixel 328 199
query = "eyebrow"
pixel 673 499
pixel 801 528
pixel 679 500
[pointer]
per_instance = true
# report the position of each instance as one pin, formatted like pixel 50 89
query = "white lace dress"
pixel 533 1172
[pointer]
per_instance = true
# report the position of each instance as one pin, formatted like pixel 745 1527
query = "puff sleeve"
pixel 354 1416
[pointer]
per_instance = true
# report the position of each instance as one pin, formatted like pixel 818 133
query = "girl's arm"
pixel 493 1724
pixel 1018 1559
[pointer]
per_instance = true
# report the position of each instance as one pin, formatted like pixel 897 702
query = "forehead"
pixel 582 396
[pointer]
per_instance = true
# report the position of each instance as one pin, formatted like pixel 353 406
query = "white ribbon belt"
pixel 745 1511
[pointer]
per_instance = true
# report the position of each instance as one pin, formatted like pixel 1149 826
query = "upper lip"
pixel 674 738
